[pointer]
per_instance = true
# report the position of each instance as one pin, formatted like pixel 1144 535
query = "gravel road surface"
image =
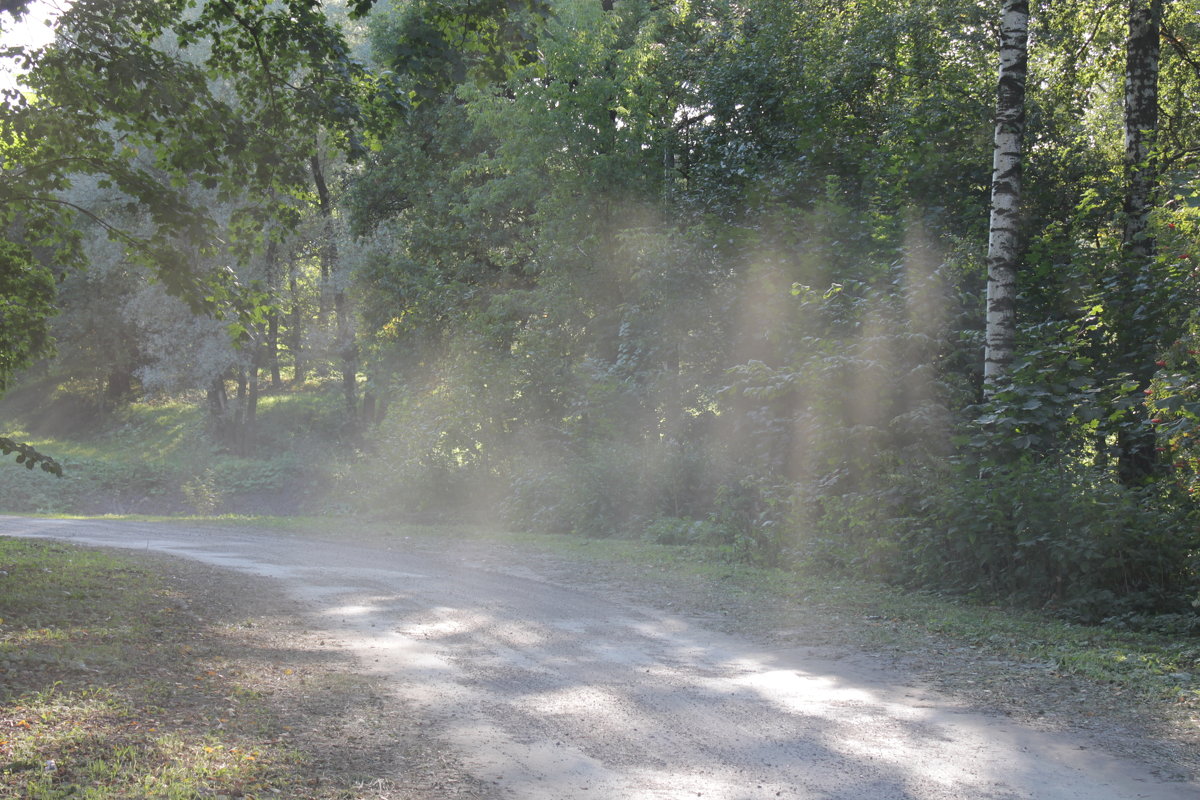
pixel 549 691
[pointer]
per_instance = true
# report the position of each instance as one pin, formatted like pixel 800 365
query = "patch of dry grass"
pixel 148 677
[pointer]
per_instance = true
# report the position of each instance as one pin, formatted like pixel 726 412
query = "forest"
pixel 899 289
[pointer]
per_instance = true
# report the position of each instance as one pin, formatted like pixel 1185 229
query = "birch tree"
pixel 1141 125
pixel 1004 225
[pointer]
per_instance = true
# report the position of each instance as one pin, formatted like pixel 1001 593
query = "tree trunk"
pixel 249 424
pixel 273 349
pixel 348 354
pixel 381 408
pixel 239 403
pixel 673 412
pixel 218 409
pixel 217 399
pixel 1141 126
pixel 346 347
pixel 368 408
pixel 1004 228
pixel 272 342
pixel 325 204
pixel 1135 444
pixel 119 386
pixel 296 334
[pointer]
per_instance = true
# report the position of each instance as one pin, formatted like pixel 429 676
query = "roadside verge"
pixel 149 676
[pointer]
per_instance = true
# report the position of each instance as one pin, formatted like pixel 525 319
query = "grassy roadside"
pixel 143 677
pixel 159 457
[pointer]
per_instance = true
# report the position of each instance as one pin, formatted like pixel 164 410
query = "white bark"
pixel 1004 228
pixel 1141 124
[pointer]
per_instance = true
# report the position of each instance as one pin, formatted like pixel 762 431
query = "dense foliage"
pixel 708 272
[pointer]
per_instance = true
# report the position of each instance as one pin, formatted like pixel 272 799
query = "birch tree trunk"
pixel 1135 444
pixel 1141 126
pixel 1004 228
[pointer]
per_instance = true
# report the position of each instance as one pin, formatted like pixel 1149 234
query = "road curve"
pixel 552 692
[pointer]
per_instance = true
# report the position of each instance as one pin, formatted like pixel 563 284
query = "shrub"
pixel 676 530
pixel 201 492
pixel 599 491
pixel 1054 533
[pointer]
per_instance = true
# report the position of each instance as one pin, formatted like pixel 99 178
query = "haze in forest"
pixel 712 273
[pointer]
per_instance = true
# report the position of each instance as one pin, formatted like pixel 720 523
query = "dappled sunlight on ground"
pixel 548 692
pixel 624 705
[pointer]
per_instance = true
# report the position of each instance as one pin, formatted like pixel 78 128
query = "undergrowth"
pixel 161 457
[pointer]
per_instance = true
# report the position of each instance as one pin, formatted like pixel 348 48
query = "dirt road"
pixel 553 692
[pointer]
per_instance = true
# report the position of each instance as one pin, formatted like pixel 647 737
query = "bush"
pixel 630 488
pixel 1057 534
pixel 675 530
pixel 753 517
pixel 853 532
pixel 201 492
pixel 598 492
pixel 22 490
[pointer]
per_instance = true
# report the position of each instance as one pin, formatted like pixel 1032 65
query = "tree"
pixel 33 234
pixel 26 302
pixel 199 122
pixel 344 342
pixel 1135 343
pixel 1004 229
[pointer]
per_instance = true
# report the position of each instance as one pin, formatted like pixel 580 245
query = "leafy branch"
pixel 29 456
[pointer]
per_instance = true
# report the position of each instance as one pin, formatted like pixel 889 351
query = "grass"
pixel 159 456
pixel 142 459
pixel 110 688
pixel 162 430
